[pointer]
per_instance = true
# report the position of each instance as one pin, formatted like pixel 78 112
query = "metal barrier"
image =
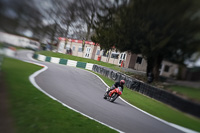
pixel 153 92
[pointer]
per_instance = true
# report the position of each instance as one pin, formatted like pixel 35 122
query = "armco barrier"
pixel 131 83
pixel 153 92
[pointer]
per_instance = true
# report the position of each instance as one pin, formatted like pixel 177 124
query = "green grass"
pixel 1 45
pixel 157 108
pixel 34 112
pixel 145 103
pixel 71 57
pixel 192 93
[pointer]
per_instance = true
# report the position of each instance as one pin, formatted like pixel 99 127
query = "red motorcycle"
pixel 113 95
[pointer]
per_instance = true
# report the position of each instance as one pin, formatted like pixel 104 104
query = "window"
pixel 105 53
pixel 98 52
pixel 80 49
pixel 124 55
pixel 73 48
pixel 68 47
pixel 139 60
pixel 166 68
pixel 114 55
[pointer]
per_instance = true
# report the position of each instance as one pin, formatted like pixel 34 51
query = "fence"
pixel 153 92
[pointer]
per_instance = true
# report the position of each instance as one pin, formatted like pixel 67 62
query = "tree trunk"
pixel 149 71
pixel 66 33
pixel 157 64
pixel 89 26
pixel 53 33
pixel 88 32
pixel 153 66
pixel 149 65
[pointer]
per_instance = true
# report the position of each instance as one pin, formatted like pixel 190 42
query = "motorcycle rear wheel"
pixel 113 97
pixel 105 95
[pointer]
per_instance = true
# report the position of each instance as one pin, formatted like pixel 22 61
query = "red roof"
pixel 77 41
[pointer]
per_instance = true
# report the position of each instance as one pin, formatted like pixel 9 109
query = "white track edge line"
pixel 32 80
pixel 186 130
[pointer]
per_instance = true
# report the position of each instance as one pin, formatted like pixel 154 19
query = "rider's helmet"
pixel 122 82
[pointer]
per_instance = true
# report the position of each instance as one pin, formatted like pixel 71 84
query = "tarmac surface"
pixel 84 92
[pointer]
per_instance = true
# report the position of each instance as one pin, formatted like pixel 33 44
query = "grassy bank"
pixel 191 93
pixel 188 92
pixel 33 111
pixel 71 57
pixel 149 105
pixel 157 108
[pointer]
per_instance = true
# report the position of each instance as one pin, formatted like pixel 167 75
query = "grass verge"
pixel 145 103
pixel 191 93
pixel 157 108
pixel 33 111
pixel 71 57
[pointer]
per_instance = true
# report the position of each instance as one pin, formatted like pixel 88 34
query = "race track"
pixel 84 91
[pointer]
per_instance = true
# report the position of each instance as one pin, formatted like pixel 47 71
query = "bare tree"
pixel 87 10
pixel 59 16
pixel 21 15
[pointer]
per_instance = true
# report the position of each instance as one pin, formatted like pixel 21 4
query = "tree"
pixel 19 16
pixel 87 11
pixel 157 29
pixel 58 16
pixel 70 15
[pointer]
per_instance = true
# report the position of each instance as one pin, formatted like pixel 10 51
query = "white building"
pixel 92 51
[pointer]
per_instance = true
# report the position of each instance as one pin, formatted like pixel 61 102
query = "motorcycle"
pixel 113 95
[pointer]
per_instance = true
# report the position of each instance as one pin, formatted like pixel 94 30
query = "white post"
pixel 162 69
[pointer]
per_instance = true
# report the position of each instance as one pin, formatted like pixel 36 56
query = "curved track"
pixel 83 91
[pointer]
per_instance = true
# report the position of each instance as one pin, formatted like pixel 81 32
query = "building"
pixel 19 41
pixel 137 62
pixel 92 51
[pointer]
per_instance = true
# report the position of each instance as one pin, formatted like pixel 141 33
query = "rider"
pixel 116 85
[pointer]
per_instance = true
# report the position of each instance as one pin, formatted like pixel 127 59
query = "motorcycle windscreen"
pixel 120 89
